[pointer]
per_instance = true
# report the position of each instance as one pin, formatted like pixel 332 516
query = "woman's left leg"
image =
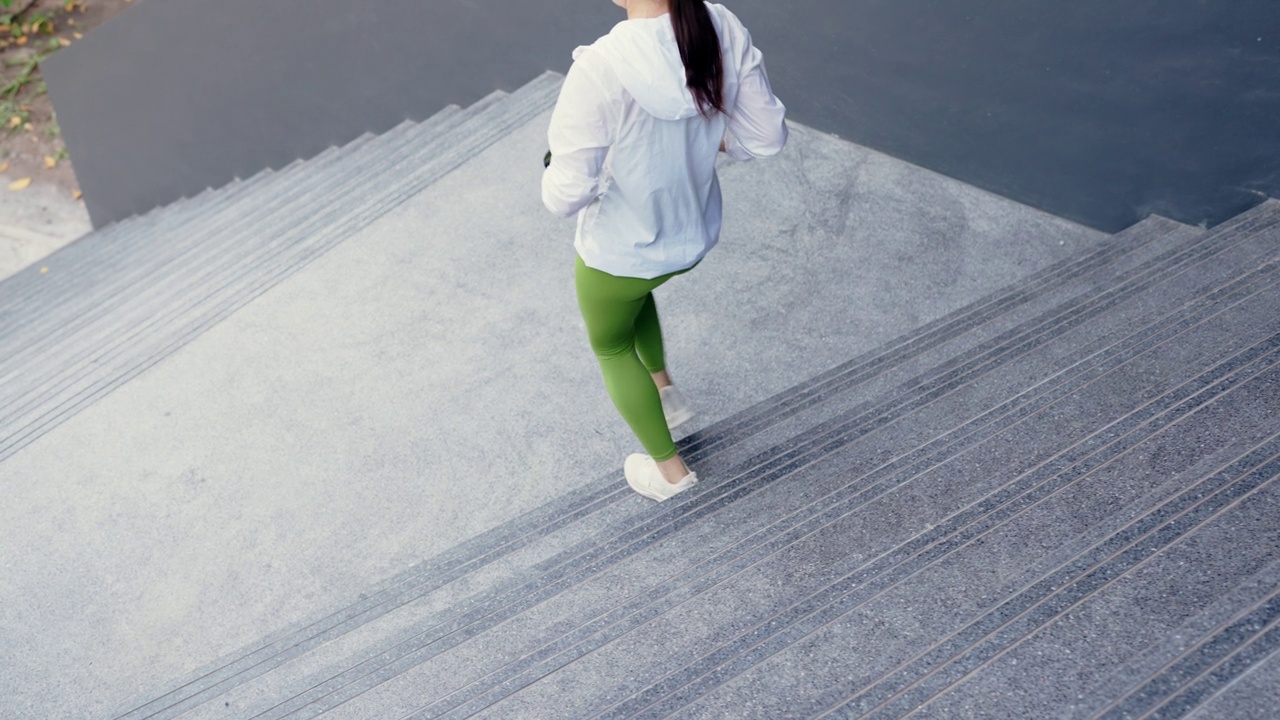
pixel 622 326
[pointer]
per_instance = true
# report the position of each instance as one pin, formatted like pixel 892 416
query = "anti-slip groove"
pixel 1250 473
pixel 399 660
pixel 941 331
pixel 1073 313
pixel 1256 220
pixel 110 251
pixel 278 234
pixel 218 230
pixel 1263 457
pixel 253 269
pixel 1067 590
pixel 1220 676
pixel 216 243
pixel 97 257
pixel 1198 662
pixel 73 254
pixel 870 579
pixel 917 393
pixel 804 522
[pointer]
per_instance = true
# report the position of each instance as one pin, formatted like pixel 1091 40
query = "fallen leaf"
pixel 15 121
pixel 4 166
pixel 63 42
pixel 20 184
pixel 22 40
pixel 77 195
pixel 79 35
pixel 44 270
pixel 49 162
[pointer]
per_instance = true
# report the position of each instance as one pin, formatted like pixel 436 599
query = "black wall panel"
pixel 1095 110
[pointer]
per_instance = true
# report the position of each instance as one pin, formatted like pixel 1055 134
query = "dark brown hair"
pixel 700 52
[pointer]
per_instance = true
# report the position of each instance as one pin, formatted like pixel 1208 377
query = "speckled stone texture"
pixel 957 457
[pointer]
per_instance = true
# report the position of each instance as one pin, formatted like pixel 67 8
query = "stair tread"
pixel 55 399
pixel 311 677
pixel 1073 477
pixel 786 572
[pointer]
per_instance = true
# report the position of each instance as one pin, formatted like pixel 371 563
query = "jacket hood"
pixel 645 57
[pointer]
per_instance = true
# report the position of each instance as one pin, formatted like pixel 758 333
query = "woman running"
pixel 633 140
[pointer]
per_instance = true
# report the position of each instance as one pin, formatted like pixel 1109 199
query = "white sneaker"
pixel 645 478
pixel 674 407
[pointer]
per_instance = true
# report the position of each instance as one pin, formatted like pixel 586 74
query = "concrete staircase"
pixel 112 306
pixel 1059 500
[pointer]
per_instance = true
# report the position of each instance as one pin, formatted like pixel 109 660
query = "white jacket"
pixel 634 158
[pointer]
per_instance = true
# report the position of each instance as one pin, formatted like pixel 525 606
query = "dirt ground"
pixel 30 144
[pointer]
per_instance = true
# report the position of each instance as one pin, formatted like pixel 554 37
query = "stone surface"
pixel 427 380
pixel 931 593
pixel 1254 696
pixel 34 223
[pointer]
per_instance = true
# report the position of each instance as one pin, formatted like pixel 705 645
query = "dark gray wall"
pixel 173 96
pixel 1095 110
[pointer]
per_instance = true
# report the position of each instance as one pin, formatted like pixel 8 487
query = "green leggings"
pixel 622 325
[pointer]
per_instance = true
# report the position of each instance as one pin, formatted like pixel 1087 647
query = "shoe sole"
pixel 646 492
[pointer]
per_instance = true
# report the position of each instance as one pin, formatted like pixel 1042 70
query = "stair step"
pixel 95 257
pixel 985 321
pixel 186 242
pixel 646 542
pixel 593 505
pixel 223 238
pixel 1253 694
pixel 850 651
pixel 1093 604
pixel 154 327
pixel 862 527
pixel 1185 655
pixel 112 247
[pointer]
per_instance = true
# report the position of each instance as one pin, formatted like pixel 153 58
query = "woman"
pixel 633 140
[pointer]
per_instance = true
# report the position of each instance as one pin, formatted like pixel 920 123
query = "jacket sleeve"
pixel 757 124
pixel 579 137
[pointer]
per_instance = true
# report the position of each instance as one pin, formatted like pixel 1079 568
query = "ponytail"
pixel 700 52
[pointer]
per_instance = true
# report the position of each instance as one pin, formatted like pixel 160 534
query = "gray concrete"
pixel 99 335
pixel 36 222
pixel 1129 679
pixel 426 380
pixel 1254 696
pixel 898 610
